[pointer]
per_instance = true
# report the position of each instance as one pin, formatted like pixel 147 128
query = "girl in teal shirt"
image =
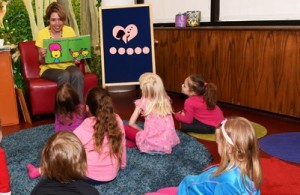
pixel 239 171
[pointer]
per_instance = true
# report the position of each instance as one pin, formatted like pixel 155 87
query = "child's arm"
pixel 4 176
pixel 133 118
pixel 185 115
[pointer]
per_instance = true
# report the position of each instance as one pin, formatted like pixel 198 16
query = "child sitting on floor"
pixel 200 113
pixel 63 166
pixel 69 111
pixel 69 114
pixel 239 171
pixel 4 175
pixel 103 138
pixel 159 134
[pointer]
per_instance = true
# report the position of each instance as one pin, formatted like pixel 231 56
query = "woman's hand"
pixel 42 55
pixel 43 52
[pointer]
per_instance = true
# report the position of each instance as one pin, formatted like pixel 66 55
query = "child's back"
pixel 101 166
pixel 239 171
pixel 103 137
pixel 69 112
pixel 159 134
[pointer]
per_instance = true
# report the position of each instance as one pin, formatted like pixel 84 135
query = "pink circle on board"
pixel 113 50
pixel 121 50
pixel 138 50
pixel 129 51
pixel 146 50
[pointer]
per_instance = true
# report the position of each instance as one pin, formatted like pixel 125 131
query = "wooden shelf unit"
pixel 8 101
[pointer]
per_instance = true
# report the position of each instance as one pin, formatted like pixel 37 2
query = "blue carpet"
pixel 285 146
pixel 144 173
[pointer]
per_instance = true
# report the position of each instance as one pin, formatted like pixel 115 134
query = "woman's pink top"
pixel 159 134
pixel 195 107
pixel 100 167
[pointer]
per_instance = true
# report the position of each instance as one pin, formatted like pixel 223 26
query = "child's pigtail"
pixel 210 95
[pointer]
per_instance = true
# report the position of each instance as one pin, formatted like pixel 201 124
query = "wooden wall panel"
pixel 256 68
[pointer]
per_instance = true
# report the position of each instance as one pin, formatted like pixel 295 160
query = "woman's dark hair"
pixel 55 7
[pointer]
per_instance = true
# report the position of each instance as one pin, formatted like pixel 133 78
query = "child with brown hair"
pixel 103 137
pixel 4 175
pixel 69 114
pixel 63 167
pixel 69 111
pixel 239 171
pixel 200 113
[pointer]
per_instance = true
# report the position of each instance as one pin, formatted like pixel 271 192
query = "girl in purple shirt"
pixel 69 114
pixel 200 113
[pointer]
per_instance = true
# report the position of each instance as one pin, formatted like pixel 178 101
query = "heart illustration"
pixel 125 34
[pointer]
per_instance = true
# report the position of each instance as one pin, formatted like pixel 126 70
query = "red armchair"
pixel 40 93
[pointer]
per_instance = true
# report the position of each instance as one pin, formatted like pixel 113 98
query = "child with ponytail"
pixel 103 138
pixel 239 171
pixel 200 113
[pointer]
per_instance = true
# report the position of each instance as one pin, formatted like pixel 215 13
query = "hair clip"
pixel 227 138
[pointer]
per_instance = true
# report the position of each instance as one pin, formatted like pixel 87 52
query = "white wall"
pixel 164 11
pixel 232 10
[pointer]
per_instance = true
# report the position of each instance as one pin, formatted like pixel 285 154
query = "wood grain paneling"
pixel 256 68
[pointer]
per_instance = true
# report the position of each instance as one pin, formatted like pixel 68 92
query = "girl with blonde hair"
pixel 239 171
pixel 159 134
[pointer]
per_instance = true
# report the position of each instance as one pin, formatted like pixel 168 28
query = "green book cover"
pixel 67 49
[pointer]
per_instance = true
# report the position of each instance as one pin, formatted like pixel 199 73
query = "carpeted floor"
pixel 285 146
pixel 144 173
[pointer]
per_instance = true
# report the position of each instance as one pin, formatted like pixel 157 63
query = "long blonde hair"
pixel 242 152
pixel 154 91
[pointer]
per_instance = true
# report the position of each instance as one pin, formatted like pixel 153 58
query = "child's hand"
pixel 77 61
pixel 182 113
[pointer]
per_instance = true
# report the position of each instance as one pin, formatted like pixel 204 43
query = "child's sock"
pixel 33 172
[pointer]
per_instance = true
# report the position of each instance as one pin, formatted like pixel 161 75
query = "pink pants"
pixel 130 133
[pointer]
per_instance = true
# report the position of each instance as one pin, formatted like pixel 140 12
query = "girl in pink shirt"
pixel 200 113
pixel 159 134
pixel 103 138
